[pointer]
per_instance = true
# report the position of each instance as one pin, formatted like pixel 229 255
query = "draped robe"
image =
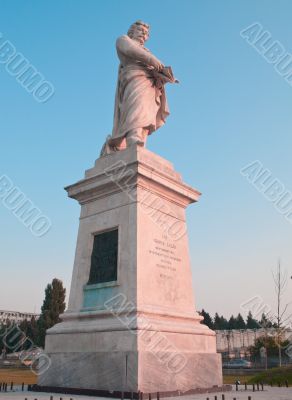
pixel 140 100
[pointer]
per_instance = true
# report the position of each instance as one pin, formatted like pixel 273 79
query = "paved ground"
pixel 267 394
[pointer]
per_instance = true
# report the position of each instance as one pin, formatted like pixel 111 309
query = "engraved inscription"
pixel 165 256
pixel 164 252
pixel 104 258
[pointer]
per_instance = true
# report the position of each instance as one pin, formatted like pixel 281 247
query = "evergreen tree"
pixel 12 337
pixel 217 322
pixel 232 323
pixel 265 322
pixel 239 322
pixel 251 323
pixel 23 328
pixel 271 345
pixel 53 306
pixel 2 333
pixel 220 323
pixel 32 330
pixel 207 319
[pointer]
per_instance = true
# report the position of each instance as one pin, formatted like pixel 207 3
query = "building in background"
pixel 16 316
pixel 235 343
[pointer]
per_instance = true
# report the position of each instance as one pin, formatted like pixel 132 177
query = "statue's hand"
pixel 164 70
pixel 168 74
pixel 160 67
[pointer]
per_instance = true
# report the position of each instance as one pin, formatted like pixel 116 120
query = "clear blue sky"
pixel 231 108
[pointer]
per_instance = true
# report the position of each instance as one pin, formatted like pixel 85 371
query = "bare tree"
pixel 266 325
pixel 280 281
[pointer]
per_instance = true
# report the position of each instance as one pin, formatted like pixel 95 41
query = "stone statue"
pixel 140 103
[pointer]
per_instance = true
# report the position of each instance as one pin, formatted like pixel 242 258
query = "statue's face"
pixel 140 34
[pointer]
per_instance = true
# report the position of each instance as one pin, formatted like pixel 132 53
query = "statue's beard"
pixel 140 40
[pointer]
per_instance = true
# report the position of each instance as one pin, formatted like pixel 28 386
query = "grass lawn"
pixel 17 376
pixel 231 379
pixel 274 375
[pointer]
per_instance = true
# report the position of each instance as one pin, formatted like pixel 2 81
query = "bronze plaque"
pixel 104 258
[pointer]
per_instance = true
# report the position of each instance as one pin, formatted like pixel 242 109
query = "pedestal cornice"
pixel 131 169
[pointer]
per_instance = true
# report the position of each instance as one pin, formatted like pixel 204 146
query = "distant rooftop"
pixel 16 316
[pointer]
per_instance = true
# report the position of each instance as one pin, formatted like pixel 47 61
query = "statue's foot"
pixel 136 137
pixel 112 145
pixel 135 142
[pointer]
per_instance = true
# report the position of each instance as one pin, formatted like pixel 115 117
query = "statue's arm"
pixel 134 51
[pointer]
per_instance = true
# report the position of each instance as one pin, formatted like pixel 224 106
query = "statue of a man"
pixel 140 103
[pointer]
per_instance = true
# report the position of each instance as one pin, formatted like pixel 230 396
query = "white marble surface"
pixel 100 347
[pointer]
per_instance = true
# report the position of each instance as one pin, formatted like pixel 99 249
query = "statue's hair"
pixel 134 26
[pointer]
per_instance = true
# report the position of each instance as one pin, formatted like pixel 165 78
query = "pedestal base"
pixel 133 361
pixel 109 372
pixel 131 324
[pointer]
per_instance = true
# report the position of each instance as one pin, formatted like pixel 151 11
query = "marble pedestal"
pixel 140 332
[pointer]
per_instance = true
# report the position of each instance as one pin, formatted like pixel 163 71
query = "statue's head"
pixel 139 31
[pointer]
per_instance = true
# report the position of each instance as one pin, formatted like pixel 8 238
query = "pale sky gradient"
pixel 230 109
